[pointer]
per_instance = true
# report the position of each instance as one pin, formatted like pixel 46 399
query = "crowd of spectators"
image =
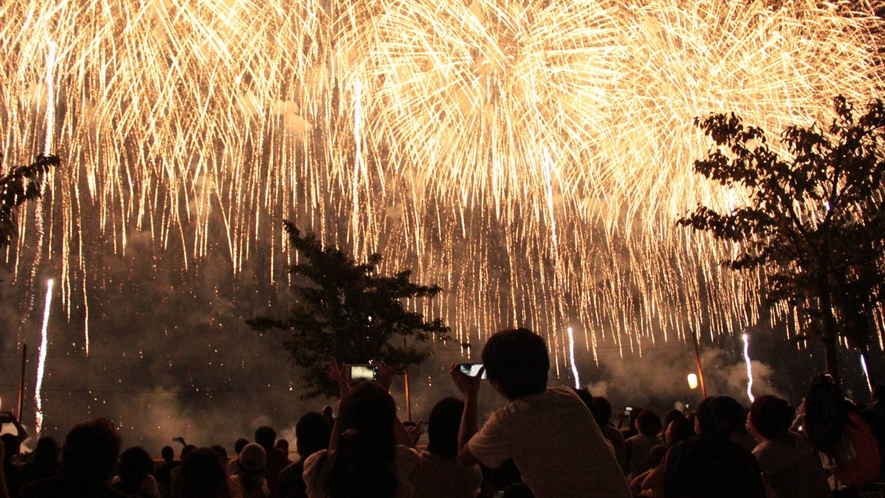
pixel 546 442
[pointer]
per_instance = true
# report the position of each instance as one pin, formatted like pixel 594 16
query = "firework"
pixel 517 153
pixel 41 360
pixel 746 339
pixel 571 354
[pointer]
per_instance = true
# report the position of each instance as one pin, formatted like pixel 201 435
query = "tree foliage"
pixel 346 311
pixel 814 223
pixel 20 184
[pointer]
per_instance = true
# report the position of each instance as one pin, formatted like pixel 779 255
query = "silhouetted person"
pixel 548 432
pixel 441 474
pixel 164 472
pixel 89 458
pixel 788 463
pixel 46 461
pixel 602 413
pixel 203 475
pixel 312 434
pixel 710 464
pixel 239 444
pixel 648 425
pixel 12 447
pixel 248 480
pixel 134 474
pixel 277 460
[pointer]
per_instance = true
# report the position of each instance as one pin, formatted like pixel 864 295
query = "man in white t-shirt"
pixel 549 433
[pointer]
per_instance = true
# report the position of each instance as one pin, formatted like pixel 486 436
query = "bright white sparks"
pixel 866 373
pixel 41 360
pixel 749 368
pixel 571 349
pixel 521 152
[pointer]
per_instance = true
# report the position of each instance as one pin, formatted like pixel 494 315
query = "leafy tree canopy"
pixel 814 223
pixel 20 184
pixel 346 311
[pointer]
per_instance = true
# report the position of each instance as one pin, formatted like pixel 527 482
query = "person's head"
pixel 586 397
pixel 203 475
pixel 253 458
pixel 602 410
pixel 240 444
pixel 217 448
pixel 718 416
pixel 312 434
pixel 648 423
pixel 135 464
pixel 265 436
pixel 327 411
pixel 442 434
pixel 670 416
pixel 516 363
pixel 47 450
pixel 282 444
pixel 168 454
pixel 679 429
pixel 91 449
pixel 187 449
pixel 11 446
pixel 770 417
pixel 364 457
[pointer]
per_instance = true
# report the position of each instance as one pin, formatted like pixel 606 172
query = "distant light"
pixel 692 381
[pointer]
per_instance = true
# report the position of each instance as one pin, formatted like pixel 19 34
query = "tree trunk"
pixel 830 357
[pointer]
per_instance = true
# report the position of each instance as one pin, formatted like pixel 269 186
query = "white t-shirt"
pixel 446 478
pixel 556 445
pixel 792 468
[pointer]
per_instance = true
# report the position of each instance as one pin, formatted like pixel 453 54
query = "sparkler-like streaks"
pixel 41 360
pixel 571 355
pixel 517 153
pixel 749 368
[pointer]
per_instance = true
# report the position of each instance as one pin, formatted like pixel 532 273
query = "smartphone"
pixel 472 370
pixel 361 373
pixel 627 410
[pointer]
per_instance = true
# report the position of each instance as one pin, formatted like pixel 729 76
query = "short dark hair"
pixel 91 449
pixel 602 410
pixel 771 416
pixel 265 436
pixel 718 416
pixel 167 453
pixel 649 423
pixel 239 444
pixel 312 434
pixel 445 420
pixel 518 361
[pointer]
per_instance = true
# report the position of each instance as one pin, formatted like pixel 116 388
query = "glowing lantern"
pixel 692 381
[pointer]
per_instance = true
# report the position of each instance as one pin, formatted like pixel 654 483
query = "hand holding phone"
pixel 473 370
pixel 362 373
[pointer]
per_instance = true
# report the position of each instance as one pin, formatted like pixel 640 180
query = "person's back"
pixel 441 474
pixel 548 432
pixel 711 464
pixel 277 459
pixel 88 460
pixel 312 434
pixel 602 412
pixel 638 447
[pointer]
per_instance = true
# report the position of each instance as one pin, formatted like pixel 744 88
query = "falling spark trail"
pixel 571 350
pixel 749 368
pixel 50 99
pixel 41 361
pixel 866 373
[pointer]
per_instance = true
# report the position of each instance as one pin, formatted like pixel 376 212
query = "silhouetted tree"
pixel 20 184
pixel 348 312
pixel 815 222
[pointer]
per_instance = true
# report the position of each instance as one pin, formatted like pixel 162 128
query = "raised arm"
pixel 469 387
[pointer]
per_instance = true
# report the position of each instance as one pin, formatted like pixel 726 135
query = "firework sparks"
pixel 571 350
pixel 41 360
pixel 866 373
pixel 522 153
pixel 746 338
